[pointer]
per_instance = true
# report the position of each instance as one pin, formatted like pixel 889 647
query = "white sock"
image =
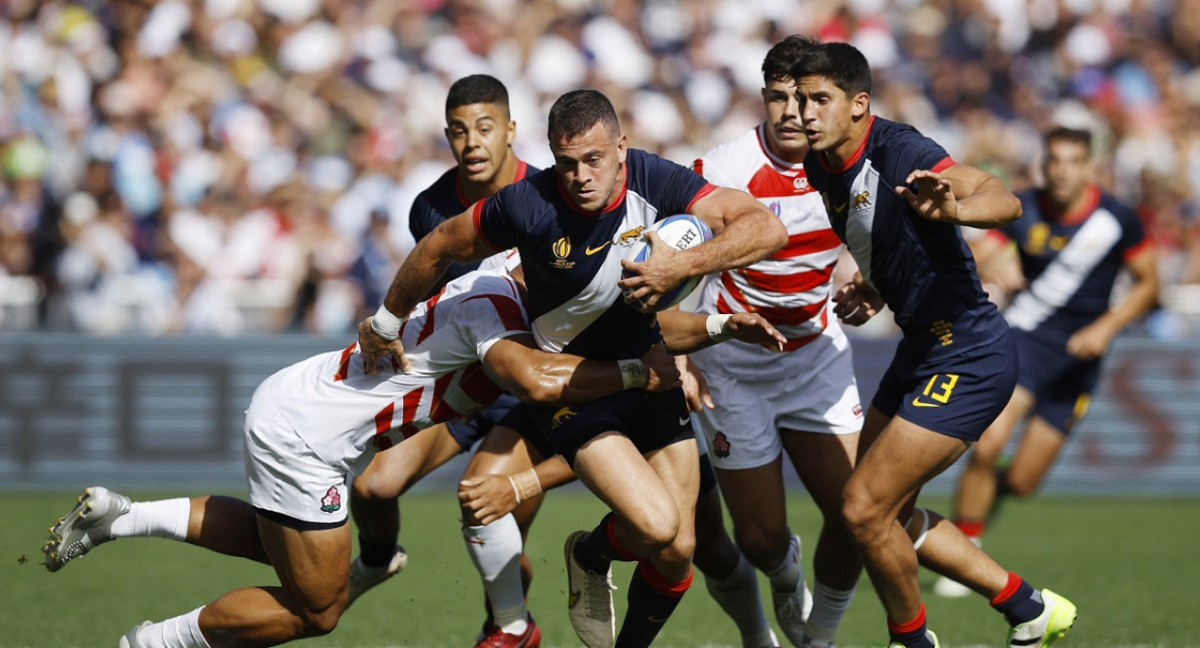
pixel 179 632
pixel 789 575
pixel 161 519
pixel 829 605
pixel 496 551
pixel 738 595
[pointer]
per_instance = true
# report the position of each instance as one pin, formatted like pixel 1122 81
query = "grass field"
pixel 1132 566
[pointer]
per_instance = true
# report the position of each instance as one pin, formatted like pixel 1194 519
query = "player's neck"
pixel 505 175
pixel 838 156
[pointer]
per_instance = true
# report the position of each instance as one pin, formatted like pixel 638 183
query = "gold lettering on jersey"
pixel 830 207
pixel 862 200
pixel 941 330
pixel 631 236
pixel 562 250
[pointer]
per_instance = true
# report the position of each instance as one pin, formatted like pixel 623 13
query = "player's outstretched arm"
pixel 491 497
pixel 453 240
pixel 744 232
pixel 535 376
pixel 685 332
pixel 962 195
pixel 1092 341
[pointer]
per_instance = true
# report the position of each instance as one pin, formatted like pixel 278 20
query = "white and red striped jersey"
pixel 344 414
pixel 790 288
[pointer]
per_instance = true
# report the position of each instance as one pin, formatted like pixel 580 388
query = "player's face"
pixel 785 132
pixel 828 113
pixel 590 165
pixel 479 136
pixel 1067 168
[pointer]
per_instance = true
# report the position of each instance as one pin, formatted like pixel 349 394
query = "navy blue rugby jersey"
pixel 1070 260
pixel 572 259
pixel 443 200
pixel 922 269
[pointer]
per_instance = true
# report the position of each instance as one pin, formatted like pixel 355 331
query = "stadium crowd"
pixel 241 166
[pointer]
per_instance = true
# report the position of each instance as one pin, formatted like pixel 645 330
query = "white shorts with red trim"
pixel 284 475
pixel 744 429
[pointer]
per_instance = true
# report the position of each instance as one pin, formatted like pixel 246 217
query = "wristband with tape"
pixel 718 327
pixel 526 485
pixel 386 324
pixel 633 373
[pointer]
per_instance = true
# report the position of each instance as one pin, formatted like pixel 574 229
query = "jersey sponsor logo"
pixel 721 445
pixel 562 250
pixel 800 184
pixel 862 200
pixel 829 206
pixel 629 237
pixel 561 416
pixel 592 250
pixel 937 391
pixel 332 500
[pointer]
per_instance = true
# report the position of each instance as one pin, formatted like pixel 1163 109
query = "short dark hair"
pixel 1072 135
pixel 577 111
pixel 841 63
pixel 777 64
pixel 477 89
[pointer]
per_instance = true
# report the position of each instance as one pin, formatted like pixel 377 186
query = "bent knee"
pixel 316 623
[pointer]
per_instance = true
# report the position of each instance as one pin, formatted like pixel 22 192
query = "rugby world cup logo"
pixel 562 249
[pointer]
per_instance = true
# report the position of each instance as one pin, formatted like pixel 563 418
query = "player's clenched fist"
pixel 374 348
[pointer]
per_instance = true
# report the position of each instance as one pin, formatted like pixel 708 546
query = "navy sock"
pixel 1018 601
pixel 375 554
pixel 910 634
pixel 598 548
pixel 652 599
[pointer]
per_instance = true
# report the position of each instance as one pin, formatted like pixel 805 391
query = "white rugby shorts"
pixel 821 396
pixel 284 475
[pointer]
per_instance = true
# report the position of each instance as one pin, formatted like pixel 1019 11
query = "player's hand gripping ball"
pixel 681 232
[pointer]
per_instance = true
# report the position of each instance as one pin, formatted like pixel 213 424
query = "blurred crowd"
pixel 243 166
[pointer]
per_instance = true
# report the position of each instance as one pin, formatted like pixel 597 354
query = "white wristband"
pixel 525 485
pixel 633 373
pixel 718 329
pixel 386 324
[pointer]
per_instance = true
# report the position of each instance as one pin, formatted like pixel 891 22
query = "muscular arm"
pixel 535 376
pixel 453 240
pixel 745 232
pixel 962 195
pixel 1092 340
pixel 685 332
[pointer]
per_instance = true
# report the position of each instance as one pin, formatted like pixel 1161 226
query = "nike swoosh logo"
pixel 838 210
pixel 572 599
pixel 654 619
pixel 592 250
pixel 918 403
pixel 683 420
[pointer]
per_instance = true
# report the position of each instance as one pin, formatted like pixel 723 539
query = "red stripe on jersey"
pixel 704 191
pixel 796 343
pixel 778 316
pixel 944 164
pixel 476 384
pixel 1134 251
pixel 344 363
pixel 508 310
pixel 808 243
pixel 430 323
pixel 767 182
pixel 476 213
pixel 787 283
pixel 441 410
pixel 411 401
pixel 997 236
pixel 698 166
pixel 383 423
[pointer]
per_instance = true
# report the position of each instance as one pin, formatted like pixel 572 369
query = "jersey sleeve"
pixel 485 319
pixel 494 220
pixel 712 172
pixel 422 218
pixel 672 187
pixel 911 151
pixel 1133 233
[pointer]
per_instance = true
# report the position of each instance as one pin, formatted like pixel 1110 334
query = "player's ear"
pixel 621 148
pixel 512 132
pixel 860 104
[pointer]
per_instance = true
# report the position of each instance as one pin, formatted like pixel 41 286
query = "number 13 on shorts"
pixel 937 390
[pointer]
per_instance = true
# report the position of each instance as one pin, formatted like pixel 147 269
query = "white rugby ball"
pixel 682 231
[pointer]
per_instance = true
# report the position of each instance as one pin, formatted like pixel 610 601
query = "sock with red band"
pixel 1018 601
pixel 600 547
pixel 910 634
pixel 652 599
pixel 973 529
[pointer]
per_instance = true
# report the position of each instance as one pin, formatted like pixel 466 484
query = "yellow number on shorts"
pixel 943 384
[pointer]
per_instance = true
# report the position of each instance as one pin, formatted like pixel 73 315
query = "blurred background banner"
pixel 132 411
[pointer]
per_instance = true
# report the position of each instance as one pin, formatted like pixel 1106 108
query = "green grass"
pixel 1130 564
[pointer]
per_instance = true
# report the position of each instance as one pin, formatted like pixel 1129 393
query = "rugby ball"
pixel 682 232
